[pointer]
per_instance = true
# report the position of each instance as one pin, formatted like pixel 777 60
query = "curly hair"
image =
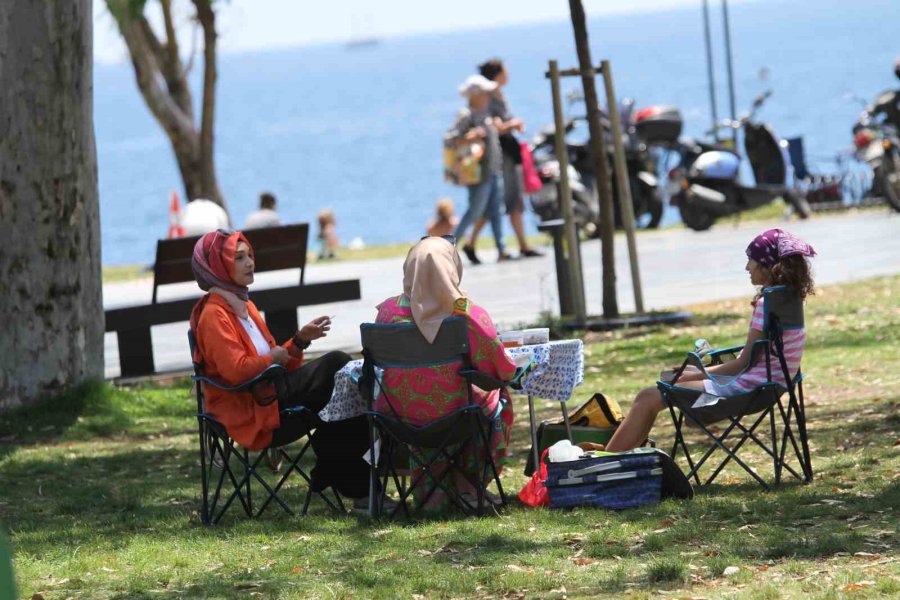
pixel 794 272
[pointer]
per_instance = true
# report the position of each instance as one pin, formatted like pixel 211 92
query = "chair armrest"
pixel 716 354
pixel 268 373
pixel 483 380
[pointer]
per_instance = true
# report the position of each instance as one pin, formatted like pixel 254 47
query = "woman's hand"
pixel 515 125
pixel 280 356
pixel 315 329
pixel 690 373
pixel 477 133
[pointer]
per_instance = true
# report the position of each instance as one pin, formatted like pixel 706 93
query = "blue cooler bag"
pixel 617 481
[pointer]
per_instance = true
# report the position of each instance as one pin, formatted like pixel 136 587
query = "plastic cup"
pixel 512 339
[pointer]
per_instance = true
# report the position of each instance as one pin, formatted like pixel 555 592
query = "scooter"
pixel 706 187
pixel 878 144
pixel 646 199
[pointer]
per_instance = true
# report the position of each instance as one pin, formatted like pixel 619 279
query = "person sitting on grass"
pixel 431 276
pixel 775 257
pixel 234 345
pixel 444 221
pixel 327 237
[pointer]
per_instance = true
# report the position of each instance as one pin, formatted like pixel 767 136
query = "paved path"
pixel 678 267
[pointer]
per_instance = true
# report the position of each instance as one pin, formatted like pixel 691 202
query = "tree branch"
pixel 207 19
pixel 177 124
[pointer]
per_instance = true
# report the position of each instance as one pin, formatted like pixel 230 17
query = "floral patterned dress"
pixel 425 394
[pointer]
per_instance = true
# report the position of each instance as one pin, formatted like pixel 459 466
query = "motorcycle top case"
pixel 614 481
pixel 658 123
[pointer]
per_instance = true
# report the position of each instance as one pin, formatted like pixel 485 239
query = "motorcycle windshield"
pixel 766 158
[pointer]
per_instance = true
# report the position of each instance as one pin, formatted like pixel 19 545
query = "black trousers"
pixel 339 445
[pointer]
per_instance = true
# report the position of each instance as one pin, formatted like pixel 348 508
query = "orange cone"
pixel 175 228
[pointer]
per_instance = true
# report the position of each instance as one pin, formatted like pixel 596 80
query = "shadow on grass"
pixel 91 405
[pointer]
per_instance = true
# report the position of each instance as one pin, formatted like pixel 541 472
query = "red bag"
pixel 529 173
pixel 534 493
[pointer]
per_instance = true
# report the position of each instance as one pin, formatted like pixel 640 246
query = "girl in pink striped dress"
pixel 774 257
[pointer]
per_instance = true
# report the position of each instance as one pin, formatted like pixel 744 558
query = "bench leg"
pixel 282 324
pixel 135 352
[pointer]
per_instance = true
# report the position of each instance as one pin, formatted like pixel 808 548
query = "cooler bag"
pixel 614 481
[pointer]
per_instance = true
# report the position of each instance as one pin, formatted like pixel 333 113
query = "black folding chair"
pixel 745 413
pixel 408 448
pixel 223 461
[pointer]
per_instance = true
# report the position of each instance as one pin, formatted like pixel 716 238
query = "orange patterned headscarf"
pixel 213 261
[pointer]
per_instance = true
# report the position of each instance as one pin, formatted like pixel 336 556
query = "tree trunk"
pixel 50 283
pixel 599 160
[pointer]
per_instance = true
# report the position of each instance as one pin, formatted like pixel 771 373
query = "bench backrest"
pixel 275 248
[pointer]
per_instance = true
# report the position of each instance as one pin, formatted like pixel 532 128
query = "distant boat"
pixel 365 42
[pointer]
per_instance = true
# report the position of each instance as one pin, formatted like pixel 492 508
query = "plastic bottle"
pixel 702 346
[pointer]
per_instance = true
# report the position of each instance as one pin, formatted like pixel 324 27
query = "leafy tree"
pixel 161 76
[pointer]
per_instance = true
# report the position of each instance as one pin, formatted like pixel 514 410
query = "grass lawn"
pixel 100 490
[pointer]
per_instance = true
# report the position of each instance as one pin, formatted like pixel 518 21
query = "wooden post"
pixel 598 154
pixel 624 184
pixel 565 200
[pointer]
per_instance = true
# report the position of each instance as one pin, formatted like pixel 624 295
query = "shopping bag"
pixel 462 163
pixel 534 493
pixel 531 179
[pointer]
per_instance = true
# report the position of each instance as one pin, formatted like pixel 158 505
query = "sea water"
pixel 359 130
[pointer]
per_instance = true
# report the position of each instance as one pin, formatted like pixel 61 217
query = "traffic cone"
pixel 175 228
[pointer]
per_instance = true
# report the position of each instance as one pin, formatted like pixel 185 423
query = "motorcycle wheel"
pixel 890 180
pixel 695 217
pixel 800 204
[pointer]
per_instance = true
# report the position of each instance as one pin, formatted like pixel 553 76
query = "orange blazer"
pixel 229 356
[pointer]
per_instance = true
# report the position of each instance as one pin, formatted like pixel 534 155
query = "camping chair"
pixel 409 448
pixel 224 462
pixel 746 412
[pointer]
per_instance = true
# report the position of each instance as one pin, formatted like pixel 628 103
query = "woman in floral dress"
pixel 431 277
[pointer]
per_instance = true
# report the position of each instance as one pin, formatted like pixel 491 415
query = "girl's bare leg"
pixel 639 420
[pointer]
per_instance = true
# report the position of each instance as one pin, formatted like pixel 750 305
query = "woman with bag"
pixel 476 125
pixel 234 345
pixel 513 193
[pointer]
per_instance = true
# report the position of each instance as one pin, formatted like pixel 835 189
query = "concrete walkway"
pixel 678 267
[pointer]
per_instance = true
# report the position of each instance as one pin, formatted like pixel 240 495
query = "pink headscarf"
pixel 771 246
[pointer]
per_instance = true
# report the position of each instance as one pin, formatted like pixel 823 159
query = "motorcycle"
pixel 878 144
pixel 646 199
pixel 705 186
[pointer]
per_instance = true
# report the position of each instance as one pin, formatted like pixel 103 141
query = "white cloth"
pixel 264 217
pixel 256 336
pixel 202 216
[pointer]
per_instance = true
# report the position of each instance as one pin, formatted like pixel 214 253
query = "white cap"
pixel 476 84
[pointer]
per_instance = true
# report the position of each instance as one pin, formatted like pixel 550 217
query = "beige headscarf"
pixel 431 275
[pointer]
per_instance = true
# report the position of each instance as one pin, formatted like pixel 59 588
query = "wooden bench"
pixel 275 248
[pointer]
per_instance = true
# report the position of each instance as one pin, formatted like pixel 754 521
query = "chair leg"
pixel 804 439
pixel 776 462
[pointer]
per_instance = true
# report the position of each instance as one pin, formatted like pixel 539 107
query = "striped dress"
pixel 794 340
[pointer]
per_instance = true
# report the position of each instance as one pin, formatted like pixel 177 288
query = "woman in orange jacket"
pixel 234 345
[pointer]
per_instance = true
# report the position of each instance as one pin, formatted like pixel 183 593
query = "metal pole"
pixel 709 70
pixel 598 157
pixel 565 199
pixel 625 201
pixel 730 70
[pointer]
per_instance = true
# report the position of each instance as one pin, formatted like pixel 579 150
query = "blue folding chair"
pixel 226 469
pixel 782 311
